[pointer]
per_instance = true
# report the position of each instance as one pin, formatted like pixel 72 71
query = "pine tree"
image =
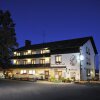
pixel 8 40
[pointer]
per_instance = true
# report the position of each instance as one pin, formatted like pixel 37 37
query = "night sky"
pixel 57 19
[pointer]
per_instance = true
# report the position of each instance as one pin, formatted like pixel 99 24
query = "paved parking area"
pixel 22 90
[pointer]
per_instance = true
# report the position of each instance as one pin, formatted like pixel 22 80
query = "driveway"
pixel 22 90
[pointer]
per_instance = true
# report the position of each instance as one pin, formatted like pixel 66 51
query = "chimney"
pixel 27 43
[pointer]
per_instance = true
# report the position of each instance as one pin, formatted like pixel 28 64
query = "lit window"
pixel 33 61
pixel 24 61
pixel 58 59
pixel 45 50
pixel 18 54
pixel 33 52
pixel 31 71
pixel 42 61
pixel 25 53
pixel 16 62
pixel 29 51
pixel 23 72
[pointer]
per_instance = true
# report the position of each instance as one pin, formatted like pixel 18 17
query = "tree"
pixel 8 40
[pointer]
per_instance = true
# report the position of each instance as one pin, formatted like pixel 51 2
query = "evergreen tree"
pixel 7 38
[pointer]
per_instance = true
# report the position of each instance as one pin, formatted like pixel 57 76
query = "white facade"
pixel 89 61
pixel 71 62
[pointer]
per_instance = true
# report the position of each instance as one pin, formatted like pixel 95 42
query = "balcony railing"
pixel 31 65
pixel 31 56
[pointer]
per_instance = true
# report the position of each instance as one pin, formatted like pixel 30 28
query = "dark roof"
pixel 72 43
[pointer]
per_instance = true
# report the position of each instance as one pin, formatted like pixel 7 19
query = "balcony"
pixel 31 56
pixel 47 65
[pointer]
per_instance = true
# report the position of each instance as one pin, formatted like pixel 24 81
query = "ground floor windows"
pixel 31 72
pixel 58 73
pixel 42 61
pixel 23 72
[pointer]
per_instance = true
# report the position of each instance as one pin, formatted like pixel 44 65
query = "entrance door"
pixel 59 74
pixel 46 74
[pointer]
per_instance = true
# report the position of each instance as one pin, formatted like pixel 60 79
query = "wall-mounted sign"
pixel 73 60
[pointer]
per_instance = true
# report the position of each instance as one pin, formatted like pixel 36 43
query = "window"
pixel 58 59
pixel 33 61
pixel 18 53
pixel 29 52
pixel 42 61
pixel 45 50
pixel 33 52
pixel 25 53
pixel 17 62
pixel 88 61
pixel 23 72
pixel 88 72
pixel 24 61
pixel 87 50
pixel 31 72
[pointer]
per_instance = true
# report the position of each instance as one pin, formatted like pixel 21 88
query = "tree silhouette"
pixel 8 40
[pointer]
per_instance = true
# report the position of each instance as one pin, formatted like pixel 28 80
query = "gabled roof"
pixel 72 43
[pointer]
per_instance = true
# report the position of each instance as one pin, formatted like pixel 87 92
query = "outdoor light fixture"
pixel 81 57
pixel 15 53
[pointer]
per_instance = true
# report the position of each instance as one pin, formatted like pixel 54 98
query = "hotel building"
pixel 73 58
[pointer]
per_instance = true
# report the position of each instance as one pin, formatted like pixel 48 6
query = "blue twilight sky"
pixel 58 19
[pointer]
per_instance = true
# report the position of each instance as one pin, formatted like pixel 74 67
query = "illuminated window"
pixel 45 50
pixel 29 51
pixel 24 61
pixel 25 53
pixel 17 62
pixel 42 61
pixel 18 54
pixel 33 61
pixel 23 72
pixel 58 59
pixel 31 71
pixel 33 52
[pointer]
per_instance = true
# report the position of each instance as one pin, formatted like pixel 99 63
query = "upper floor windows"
pixel 30 52
pixel 25 62
pixel 16 53
pixel 58 59
pixel 17 62
pixel 33 61
pixel 45 50
pixel 25 53
pixel 42 61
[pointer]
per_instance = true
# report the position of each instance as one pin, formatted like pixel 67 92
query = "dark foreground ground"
pixel 21 90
